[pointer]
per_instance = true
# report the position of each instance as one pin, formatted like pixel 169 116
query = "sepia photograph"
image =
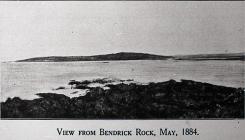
pixel 122 60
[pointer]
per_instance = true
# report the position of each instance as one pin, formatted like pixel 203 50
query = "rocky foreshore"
pixel 164 100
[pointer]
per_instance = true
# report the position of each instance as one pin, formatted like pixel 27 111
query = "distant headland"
pixel 136 56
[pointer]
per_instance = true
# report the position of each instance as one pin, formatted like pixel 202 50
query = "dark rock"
pixel 75 92
pixel 81 86
pixel 170 99
pixel 86 82
pixel 60 88
pixel 102 81
pixel 74 82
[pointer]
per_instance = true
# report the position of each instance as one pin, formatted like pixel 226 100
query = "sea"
pixel 25 79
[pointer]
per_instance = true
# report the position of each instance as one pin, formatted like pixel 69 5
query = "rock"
pixel 74 82
pixel 171 99
pixel 75 92
pixel 60 88
pixel 81 86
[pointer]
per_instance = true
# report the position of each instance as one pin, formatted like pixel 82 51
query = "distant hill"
pixel 106 57
pixel 226 56
pixel 137 56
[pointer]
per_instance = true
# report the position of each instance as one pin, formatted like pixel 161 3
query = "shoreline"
pixel 186 99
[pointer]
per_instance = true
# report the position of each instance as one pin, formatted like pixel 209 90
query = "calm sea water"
pixel 26 79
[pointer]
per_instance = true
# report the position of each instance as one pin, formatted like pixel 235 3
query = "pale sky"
pixel 33 29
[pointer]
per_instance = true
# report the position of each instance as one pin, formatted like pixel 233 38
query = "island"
pixel 106 57
pixel 136 56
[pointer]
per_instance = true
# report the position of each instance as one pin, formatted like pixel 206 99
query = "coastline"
pixel 186 99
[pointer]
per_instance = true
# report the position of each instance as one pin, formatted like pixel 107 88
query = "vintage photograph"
pixel 122 60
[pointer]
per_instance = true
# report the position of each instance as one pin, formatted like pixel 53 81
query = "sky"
pixel 34 29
